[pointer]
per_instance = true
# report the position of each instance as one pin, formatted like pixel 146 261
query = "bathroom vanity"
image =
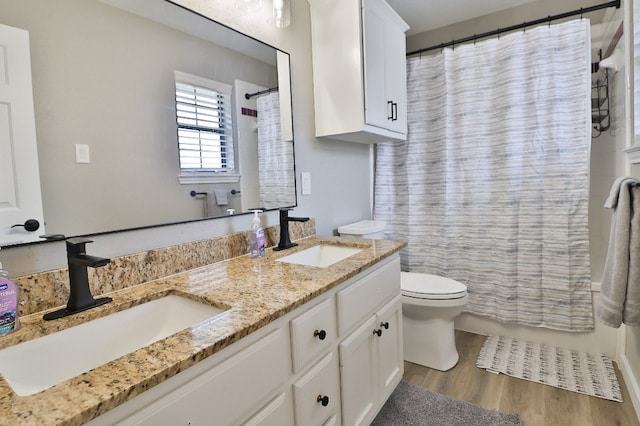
pixel 294 344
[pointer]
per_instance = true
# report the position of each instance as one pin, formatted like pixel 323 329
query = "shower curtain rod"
pixel 262 92
pixel 615 3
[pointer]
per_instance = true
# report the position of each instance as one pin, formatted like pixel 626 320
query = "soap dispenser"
pixel 9 299
pixel 257 236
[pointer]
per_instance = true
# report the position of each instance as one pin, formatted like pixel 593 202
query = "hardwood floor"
pixel 537 404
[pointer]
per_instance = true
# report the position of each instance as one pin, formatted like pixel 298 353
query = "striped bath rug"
pixel 582 372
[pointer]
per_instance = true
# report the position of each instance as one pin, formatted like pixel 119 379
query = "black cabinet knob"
pixel 324 400
pixel 30 225
pixel 320 334
pixel 385 325
pixel 377 332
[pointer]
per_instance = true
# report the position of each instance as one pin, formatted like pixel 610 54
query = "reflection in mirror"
pixel 104 89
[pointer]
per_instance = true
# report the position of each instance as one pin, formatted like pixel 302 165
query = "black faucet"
pixel 80 298
pixel 285 240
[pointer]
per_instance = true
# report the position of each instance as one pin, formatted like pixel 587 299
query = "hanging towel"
pixel 619 300
pixel 221 197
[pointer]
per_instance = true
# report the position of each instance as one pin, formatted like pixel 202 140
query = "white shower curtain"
pixel 275 157
pixel 491 187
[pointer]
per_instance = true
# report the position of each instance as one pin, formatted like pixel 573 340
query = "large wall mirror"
pixel 104 78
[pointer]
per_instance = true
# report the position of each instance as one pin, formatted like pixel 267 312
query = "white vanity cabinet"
pixel 359 70
pixel 371 357
pixel 321 364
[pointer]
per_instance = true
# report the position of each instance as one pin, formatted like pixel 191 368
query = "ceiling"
pixel 422 15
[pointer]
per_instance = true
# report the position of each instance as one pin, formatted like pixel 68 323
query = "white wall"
pixel 340 171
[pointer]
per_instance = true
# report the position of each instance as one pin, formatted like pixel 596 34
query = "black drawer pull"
pixel 324 400
pixel 320 334
pixel 385 325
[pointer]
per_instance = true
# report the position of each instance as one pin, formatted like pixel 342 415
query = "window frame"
pixel 196 175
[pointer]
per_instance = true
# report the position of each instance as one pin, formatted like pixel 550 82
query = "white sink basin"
pixel 38 364
pixel 320 256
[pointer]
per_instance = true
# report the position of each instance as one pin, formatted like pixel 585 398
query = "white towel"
pixel 614 193
pixel 221 197
pixel 620 293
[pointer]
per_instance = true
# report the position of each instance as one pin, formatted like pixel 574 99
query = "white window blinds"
pixel 205 128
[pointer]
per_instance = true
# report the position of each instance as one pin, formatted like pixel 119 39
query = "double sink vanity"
pixel 309 335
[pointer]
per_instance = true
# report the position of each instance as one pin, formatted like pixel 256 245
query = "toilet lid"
pixel 426 286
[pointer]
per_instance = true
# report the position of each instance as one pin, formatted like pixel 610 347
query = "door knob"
pixel 30 225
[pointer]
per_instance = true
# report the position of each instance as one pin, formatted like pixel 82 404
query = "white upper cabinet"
pixel 359 70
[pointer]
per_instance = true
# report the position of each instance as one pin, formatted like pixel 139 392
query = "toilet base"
pixel 430 343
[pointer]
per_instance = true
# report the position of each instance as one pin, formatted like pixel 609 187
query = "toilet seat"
pixel 432 287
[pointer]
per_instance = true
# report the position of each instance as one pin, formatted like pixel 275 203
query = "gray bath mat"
pixel 410 405
pixel 582 372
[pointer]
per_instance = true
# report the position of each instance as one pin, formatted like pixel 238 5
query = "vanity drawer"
pixel 222 393
pixel 313 333
pixel 362 298
pixel 317 394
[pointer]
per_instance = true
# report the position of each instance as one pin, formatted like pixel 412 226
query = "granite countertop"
pixel 255 291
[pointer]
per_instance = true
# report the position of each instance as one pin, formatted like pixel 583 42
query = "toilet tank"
pixel 371 229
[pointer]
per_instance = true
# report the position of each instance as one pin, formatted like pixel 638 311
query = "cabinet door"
pixel 396 76
pixel 377 109
pixel 385 80
pixel 358 372
pixel 390 357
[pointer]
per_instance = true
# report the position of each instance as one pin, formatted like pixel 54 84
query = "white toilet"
pixel 430 304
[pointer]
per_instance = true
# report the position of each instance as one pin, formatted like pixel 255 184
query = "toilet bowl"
pixel 430 304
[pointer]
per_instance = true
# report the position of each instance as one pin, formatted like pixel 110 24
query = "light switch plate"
pixel 82 154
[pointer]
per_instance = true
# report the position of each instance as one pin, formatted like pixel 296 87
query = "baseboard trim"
pixel 631 382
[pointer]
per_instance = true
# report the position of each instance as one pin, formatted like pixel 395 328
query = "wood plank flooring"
pixel 537 404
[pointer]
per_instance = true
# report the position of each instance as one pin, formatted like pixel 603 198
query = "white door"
pixel 20 197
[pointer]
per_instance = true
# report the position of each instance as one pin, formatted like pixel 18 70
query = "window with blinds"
pixel 205 128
